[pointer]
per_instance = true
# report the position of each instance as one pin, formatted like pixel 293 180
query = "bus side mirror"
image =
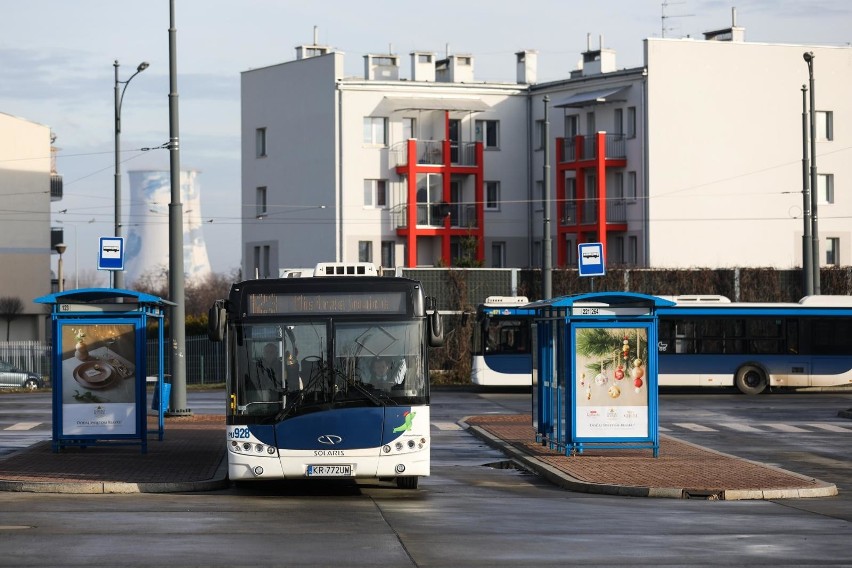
pixel 217 317
pixel 436 329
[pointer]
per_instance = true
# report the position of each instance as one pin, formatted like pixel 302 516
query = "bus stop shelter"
pixel 98 366
pixel 595 372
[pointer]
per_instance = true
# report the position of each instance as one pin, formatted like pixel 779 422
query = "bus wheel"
pixel 408 482
pixel 751 380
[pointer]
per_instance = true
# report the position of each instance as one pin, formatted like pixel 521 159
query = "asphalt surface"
pixel 191 457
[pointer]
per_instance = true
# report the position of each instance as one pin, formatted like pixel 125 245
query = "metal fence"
pixel 205 360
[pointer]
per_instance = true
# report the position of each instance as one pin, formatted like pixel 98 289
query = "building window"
pixel 424 58
pixel 616 251
pixel 376 130
pixel 488 132
pixel 631 186
pixel 572 125
pixel 618 121
pixel 365 251
pixel 824 125
pixel 376 193
pixel 260 142
pixel 538 204
pixel 409 128
pixel 539 135
pixel 498 254
pixel 618 185
pixel 260 200
pixel 261 261
pixel 590 123
pixel 570 252
pixel 492 196
pixel 825 188
pixel 388 257
pixel 832 251
pixel 632 250
pixel 630 127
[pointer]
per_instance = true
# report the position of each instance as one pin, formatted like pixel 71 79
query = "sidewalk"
pixel 191 457
pixel 681 471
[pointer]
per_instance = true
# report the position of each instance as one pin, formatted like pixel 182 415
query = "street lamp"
pixel 117 275
pixel 60 248
pixel 809 59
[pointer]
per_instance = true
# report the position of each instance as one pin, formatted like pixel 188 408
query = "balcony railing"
pixel 616 147
pixel 431 153
pixel 616 212
pixel 462 215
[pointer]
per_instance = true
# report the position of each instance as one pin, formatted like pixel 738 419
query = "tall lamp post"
pixel 547 261
pixel 60 248
pixel 118 275
pixel 809 59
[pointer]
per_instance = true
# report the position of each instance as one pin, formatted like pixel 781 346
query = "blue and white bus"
pixel 303 399
pixel 501 346
pixel 711 341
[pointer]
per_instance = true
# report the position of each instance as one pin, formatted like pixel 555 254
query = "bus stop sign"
pixel 111 253
pixel 591 259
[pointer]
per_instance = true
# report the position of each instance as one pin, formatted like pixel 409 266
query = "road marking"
pixel 786 428
pixel 831 427
pixel 446 426
pixel 663 429
pixel 740 427
pixel 23 426
pixel 694 427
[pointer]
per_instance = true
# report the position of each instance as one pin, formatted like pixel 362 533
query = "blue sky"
pixel 56 68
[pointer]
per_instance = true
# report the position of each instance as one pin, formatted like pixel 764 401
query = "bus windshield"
pixel 299 366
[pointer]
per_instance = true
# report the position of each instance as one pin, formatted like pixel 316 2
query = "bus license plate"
pixel 330 470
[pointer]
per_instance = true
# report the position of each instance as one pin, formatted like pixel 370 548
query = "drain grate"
pixel 703 494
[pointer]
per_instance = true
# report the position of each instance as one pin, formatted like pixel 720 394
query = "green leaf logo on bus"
pixel 405 426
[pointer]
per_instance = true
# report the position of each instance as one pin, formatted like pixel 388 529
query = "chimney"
pixel 733 33
pixel 422 66
pixel 526 65
pixel 381 67
pixel 313 50
pixel 596 62
pixel 457 68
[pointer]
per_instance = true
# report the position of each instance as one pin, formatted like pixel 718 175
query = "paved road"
pixel 472 511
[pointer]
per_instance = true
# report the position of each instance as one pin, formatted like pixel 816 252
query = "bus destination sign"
pixel 327 303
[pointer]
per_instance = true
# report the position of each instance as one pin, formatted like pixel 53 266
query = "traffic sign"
pixel 591 258
pixel 111 253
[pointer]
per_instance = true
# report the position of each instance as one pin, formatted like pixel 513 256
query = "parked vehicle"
pixel 12 377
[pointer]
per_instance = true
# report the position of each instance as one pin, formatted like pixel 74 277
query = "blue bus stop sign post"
pixel 591 261
pixel 111 253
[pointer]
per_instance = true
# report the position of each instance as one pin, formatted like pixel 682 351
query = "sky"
pixel 56 69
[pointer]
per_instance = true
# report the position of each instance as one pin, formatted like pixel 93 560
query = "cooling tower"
pixel 147 229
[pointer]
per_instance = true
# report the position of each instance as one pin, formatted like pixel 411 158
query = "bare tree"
pixel 10 307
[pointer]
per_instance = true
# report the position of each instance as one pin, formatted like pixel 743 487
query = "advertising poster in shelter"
pixel 98 379
pixel 611 389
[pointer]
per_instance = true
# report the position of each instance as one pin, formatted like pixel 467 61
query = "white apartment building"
pixel 692 160
pixel 27 185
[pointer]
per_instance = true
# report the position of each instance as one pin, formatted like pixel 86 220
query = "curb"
pixel 566 481
pixel 218 481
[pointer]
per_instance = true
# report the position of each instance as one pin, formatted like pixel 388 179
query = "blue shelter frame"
pixel 98 366
pixel 595 372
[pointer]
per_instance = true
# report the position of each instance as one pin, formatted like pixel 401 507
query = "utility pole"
pixel 809 59
pixel 547 262
pixel 177 329
pixel 807 241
